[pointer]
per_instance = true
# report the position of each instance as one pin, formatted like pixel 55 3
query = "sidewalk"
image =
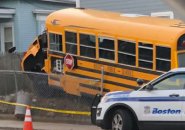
pixel 18 125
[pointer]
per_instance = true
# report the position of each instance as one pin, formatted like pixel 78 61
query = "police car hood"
pixel 118 94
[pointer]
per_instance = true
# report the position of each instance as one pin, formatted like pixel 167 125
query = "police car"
pixel 158 105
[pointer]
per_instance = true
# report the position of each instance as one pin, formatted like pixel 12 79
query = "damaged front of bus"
pixel 34 58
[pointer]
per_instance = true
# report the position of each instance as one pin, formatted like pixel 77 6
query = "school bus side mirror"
pixel 11 50
pixel 140 82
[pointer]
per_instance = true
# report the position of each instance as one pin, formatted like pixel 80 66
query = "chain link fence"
pixel 16 86
pixel 37 92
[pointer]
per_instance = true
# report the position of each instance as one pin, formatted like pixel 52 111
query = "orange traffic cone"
pixel 28 120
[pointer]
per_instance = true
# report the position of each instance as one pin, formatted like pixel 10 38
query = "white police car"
pixel 158 105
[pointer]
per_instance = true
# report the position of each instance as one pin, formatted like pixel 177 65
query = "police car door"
pixel 162 99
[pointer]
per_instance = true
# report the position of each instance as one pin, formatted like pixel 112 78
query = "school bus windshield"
pixel 181 59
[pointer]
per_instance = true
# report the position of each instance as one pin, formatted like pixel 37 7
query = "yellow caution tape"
pixel 48 109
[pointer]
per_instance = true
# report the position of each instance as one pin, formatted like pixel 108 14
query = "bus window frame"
pixel 77 43
pixel 171 56
pixel 153 53
pixel 48 35
pixel 131 41
pixel 179 52
pixel 95 47
pixel 109 37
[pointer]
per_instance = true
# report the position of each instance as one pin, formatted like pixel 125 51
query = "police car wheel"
pixel 122 120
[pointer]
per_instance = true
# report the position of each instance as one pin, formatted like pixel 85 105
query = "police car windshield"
pixel 181 60
pixel 155 80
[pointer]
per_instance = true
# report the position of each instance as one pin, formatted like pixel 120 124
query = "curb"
pixel 8 128
pixel 70 120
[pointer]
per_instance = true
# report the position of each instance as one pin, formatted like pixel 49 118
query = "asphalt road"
pixel 11 125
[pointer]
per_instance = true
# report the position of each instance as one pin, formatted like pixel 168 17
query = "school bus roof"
pixel 143 28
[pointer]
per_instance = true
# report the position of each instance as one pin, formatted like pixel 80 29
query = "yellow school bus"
pixel 89 50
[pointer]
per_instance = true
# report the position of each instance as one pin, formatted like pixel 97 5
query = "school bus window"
pixel 126 52
pixel 106 48
pixel 163 52
pixel 71 42
pixel 55 42
pixel 145 55
pixel 87 45
pixel 181 61
pixel 181 43
pixel 163 58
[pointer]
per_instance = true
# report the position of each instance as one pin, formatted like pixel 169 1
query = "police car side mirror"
pixel 149 87
pixel 139 82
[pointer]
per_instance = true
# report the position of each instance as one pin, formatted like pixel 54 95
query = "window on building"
pixel 106 48
pixel 126 52
pixel 55 42
pixel 145 55
pixel 88 45
pixel 40 26
pixel 71 42
pixel 163 58
pixel 8 38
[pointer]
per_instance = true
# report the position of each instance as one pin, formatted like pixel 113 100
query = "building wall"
pixel 177 6
pixel 25 23
pixel 127 6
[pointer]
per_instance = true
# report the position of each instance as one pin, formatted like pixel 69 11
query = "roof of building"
pixel 6 12
pixel 42 11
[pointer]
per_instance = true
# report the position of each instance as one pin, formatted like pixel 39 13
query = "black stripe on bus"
pixel 94 87
pixel 121 66
pixel 104 81
pixel 121 85
pixel 82 76
pixel 111 64
pixel 110 74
